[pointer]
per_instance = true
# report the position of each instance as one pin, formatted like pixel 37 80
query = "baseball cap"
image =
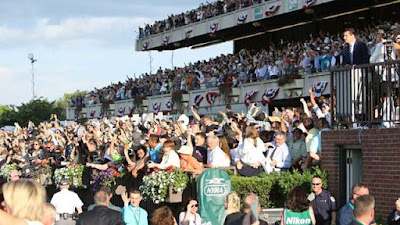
pixel 64 182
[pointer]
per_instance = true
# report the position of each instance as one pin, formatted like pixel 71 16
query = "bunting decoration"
pixel 319 88
pixel 92 113
pixel 121 111
pixel 308 3
pixel 156 107
pixel 131 109
pixel 169 106
pixel 248 96
pixel 213 28
pixel 101 113
pixel 188 33
pixel 241 19
pixel 145 46
pixel 272 9
pixel 165 40
pixel 268 95
pixel 211 96
pixel 197 100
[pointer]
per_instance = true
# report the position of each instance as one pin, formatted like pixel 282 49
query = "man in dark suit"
pixel 355 52
pixel 394 218
pixel 101 214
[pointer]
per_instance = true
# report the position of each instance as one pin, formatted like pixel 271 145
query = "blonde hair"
pixel 252 132
pixel 232 202
pixel 25 198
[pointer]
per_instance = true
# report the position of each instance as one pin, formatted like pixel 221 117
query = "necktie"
pixel 272 154
pixel 351 54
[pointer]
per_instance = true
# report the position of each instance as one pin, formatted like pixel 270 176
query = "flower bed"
pixel 156 185
pixel 104 178
pixel 73 173
pixel 6 169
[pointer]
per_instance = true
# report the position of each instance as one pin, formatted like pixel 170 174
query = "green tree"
pixel 4 109
pixel 7 115
pixel 36 110
pixel 63 102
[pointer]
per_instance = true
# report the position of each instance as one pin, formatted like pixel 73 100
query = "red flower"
pixel 170 167
pixel 116 174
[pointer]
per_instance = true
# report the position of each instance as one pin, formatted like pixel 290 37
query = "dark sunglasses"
pixel 315 184
pixel 195 205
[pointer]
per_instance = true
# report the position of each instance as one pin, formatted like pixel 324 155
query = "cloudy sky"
pixel 81 44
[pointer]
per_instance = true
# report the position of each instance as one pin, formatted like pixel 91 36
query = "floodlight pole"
pixel 33 60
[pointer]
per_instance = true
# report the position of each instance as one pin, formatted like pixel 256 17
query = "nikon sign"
pixel 213 186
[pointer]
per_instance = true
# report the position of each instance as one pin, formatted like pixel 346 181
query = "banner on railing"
pixel 169 105
pixel 249 95
pixel 272 8
pixel 242 19
pixel 211 96
pixel 268 95
pixel 197 101
pixel 319 88
pixel 156 107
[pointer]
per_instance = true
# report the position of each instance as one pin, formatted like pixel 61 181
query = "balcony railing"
pixel 366 95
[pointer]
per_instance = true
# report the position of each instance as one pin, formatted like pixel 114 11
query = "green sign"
pixel 258 13
pixel 293 4
pixel 213 185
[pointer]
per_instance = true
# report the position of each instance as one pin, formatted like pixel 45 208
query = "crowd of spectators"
pixel 251 142
pixel 320 52
pixel 204 11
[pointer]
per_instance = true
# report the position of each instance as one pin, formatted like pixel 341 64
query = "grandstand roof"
pixel 257 22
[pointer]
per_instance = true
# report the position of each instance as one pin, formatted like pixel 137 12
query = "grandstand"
pixel 283 27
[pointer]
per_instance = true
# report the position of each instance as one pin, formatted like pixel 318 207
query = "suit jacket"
pixel 100 215
pixel 391 218
pixel 360 54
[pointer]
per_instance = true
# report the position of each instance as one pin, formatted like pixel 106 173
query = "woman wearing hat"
pixel 188 162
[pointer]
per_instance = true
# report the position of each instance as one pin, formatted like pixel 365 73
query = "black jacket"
pixel 100 215
pixel 360 54
pixel 390 219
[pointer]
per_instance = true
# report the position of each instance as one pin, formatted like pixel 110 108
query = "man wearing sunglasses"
pixel 323 203
pixel 346 213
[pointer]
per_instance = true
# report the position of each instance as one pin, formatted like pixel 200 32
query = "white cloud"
pixel 45 32
pixel 7 33
pixel 81 27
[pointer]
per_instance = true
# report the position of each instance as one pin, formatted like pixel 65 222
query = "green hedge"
pixel 273 189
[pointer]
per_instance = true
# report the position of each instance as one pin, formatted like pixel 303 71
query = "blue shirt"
pixel 154 153
pixel 134 216
pixel 323 205
pixel 345 215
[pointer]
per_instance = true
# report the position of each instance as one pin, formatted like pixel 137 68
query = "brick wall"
pixel 380 162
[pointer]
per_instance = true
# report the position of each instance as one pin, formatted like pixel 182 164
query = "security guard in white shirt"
pixel 65 202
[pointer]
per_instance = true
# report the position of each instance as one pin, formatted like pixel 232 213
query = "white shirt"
pixel 193 220
pixel 217 158
pixel 170 159
pixel 250 154
pixel 281 155
pixel 65 201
